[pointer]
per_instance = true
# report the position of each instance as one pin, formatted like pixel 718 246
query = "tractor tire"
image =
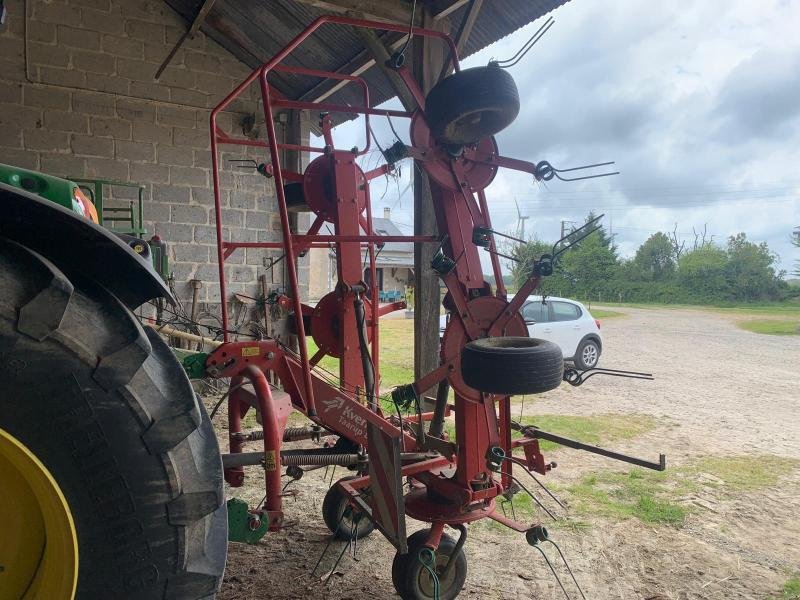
pixel 104 405
pixel 472 104
pixel 413 582
pixel 333 508
pixel 512 365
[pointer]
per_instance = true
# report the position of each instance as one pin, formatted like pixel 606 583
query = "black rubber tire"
pixel 580 363
pixel 104 404
pixel 333 507
pixel 472 104
pixel 512 365
pixel 406 569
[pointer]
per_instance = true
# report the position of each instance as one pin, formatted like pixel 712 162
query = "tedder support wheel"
pixel 471 104
pixel 512 365
pixel 340 524
pixel 122 446
pixel 414 582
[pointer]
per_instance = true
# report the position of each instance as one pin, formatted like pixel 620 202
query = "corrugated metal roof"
pixel 254 31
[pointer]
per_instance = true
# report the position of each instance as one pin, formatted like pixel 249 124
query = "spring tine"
pixel 534 498
pixel 566 564
pixel 553 571
pixel 513 511
pixel 527 45
pixel 587 176
pixel 603 164
pixel 336 564
pixel 536 479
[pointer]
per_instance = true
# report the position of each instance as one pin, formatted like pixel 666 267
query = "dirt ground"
pixel 719 391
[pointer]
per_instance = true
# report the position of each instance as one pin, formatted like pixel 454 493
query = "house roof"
pixel 255 30
pixel 386 227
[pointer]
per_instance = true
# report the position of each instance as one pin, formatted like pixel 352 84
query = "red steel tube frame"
pixel 261 74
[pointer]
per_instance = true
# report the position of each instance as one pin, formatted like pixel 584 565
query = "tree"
pixel 750 270
pixel 702 274
pixel 526 255
pixel 796 243
pixel 655 258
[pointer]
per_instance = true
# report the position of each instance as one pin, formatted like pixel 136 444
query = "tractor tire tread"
pixel 145 389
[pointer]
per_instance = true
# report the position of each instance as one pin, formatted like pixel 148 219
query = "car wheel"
pixel 588 355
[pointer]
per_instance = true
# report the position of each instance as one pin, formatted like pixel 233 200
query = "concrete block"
pixel 170 194
pixel 191 97
pixel 191 253
pixel 192 138
pixel 205 234
pixel 135 151
pixel 89 145
pixel 145 89
pixel 136 69
pixel 177 76
pixel 57 76
pixel 110 127
pixel 57 13
pixel 64 165
pixel 39 139
pixel 78 38
pixel 122 46
pixel 100 20
pixel 104 168
pixel 93 103
pixel 179 117
pixel 185 213
pixel 169 155
pixel 108 83
pixel 20 158
pixel 46 97
pixel 147 173
pixel 59 120
pixel 148 132
pixel 144 31
pixel 10 137
pixel 45 54
pixel 188 176
pixel 203 195
pixel 256 220
pixel 141 111
pixel 10 93
pixel 174 232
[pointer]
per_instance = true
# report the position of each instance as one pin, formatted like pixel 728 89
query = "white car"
pixel 565 322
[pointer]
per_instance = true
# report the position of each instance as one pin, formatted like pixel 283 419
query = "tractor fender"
pixel 80 248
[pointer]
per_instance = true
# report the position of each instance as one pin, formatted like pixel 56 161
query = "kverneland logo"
pixel 333 403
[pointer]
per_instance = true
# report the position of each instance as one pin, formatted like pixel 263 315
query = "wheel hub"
pixel 39 545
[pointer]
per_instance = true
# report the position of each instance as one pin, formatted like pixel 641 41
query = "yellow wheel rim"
pixel 38 544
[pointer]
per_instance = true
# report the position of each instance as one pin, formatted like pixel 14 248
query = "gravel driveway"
pixel 718 391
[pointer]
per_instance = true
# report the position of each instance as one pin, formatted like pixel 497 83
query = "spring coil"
pixel 299 460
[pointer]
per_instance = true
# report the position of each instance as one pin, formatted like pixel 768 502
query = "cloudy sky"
pixel 697 102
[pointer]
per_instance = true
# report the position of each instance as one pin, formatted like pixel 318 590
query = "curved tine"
pixel 525 468
pixel 566 564
pixel 534 498
pixel 586 177
pixel 603 164
pixel 532 40
pixel 553 571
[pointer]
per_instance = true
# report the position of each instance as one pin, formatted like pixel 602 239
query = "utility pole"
pixel 564 227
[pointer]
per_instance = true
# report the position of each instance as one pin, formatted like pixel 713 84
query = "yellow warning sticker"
pixel 250 351
pixel 270 463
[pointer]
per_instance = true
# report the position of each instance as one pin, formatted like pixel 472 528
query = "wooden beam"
pixel 380 55
pixel 392 11
pixel 428 59
pixel 190 33
pixel 467 23
pixel 364 60
pixel 447 11
pixel 361 63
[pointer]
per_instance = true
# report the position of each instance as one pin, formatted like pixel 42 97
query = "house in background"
pixel 394 265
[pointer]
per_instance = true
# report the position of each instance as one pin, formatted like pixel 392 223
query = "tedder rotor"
pixel 403 468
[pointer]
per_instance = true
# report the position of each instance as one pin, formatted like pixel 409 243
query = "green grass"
pixel 599 313
pixel 654 497
pixel 591 430
pixel 744 472
pixel 396 353
pixel 644 495
pixel 771 326
pixel 791 589
pixel 786 309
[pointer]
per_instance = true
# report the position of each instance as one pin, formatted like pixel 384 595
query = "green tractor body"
pixel 86 197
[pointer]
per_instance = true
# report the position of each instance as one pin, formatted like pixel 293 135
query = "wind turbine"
pixel 520 221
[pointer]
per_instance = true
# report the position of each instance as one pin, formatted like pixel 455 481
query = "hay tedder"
pixel 117 487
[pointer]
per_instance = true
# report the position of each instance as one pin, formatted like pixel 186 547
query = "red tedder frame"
pixel 451 483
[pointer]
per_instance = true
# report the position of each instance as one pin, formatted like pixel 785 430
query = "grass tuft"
pixel 791 589
pixel 653 497
pixel 743 472
pixel 771 326
pixel 592 429
pixel 599 313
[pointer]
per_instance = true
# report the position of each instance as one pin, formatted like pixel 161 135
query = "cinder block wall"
pixel 85 103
